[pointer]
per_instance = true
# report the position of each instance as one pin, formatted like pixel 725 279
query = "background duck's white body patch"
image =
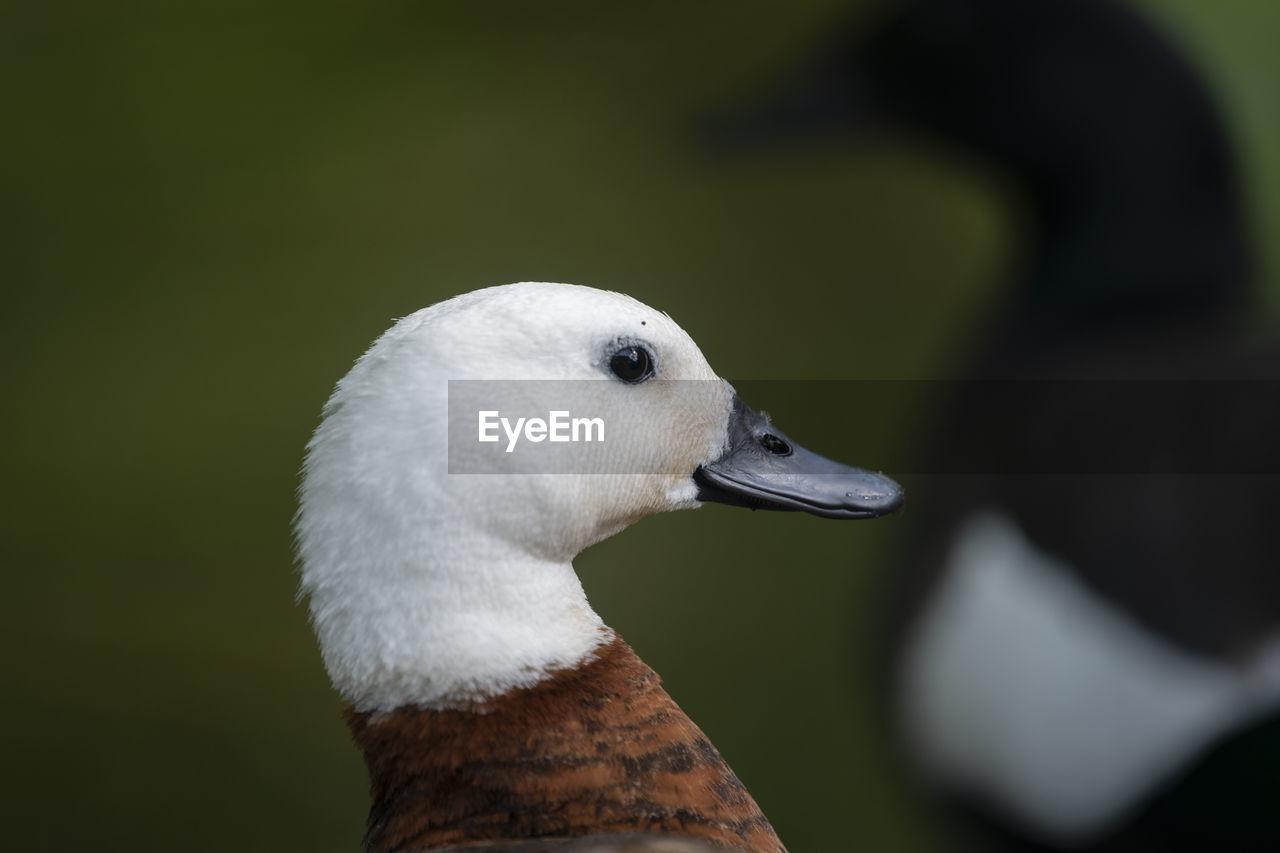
pixel 1025 688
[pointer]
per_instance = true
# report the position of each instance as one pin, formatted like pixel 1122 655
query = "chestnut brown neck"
pixel 597 749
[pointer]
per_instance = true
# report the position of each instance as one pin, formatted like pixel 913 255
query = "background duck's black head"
pixel 1116 147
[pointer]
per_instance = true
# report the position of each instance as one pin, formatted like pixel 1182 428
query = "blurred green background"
pixel 209 210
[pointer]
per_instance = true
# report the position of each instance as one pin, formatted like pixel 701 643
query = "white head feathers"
pixel 434 589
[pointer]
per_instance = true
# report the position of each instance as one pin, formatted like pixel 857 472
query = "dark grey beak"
pixel 763 469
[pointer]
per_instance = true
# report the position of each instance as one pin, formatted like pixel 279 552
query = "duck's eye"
pixel 775 445
pixel 632 364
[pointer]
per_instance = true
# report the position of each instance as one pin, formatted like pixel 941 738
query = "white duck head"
pixel 433 585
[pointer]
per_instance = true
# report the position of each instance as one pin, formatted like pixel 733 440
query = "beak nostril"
pixel 775 445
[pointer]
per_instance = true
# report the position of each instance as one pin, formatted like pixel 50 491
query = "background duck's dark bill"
pixel 763 469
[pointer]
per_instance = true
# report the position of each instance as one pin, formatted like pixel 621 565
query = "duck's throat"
pixel 597 749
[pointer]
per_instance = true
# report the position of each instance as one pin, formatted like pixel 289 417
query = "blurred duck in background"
pixel 1084 635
